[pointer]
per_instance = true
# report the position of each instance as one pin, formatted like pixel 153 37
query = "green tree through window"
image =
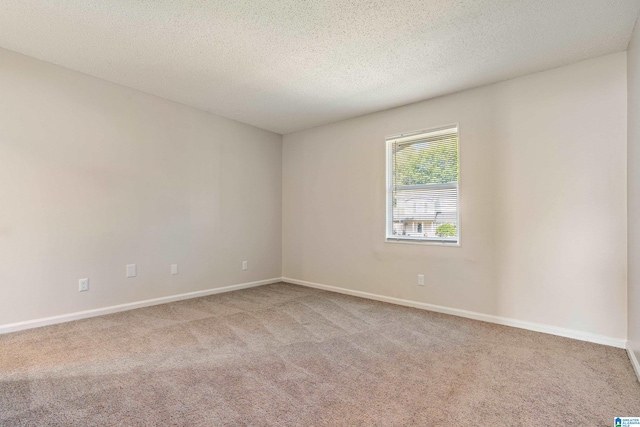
pixel 426 163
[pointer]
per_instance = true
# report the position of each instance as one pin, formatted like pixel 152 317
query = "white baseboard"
pixel 568 333
pixel 634 361
pixel 537 327
pixel 36 323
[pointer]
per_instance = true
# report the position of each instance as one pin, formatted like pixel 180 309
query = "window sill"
pixel 423 242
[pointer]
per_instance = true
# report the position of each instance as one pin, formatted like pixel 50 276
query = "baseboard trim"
pixel 537 327
pixel 634 360
pixel 36 323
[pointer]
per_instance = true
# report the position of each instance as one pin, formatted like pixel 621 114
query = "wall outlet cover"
pixel 131 270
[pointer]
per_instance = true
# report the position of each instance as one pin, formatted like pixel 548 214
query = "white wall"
pixel 543 202
pixel 94 175
pixel 633 163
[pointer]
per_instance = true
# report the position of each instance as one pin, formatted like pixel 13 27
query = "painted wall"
pixel 94 175
pixel 633 164
pixel 542 199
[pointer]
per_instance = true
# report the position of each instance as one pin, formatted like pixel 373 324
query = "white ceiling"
pixel 286 65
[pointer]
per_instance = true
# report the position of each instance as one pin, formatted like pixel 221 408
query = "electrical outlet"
pixel 420 279
pixel 83 285
pixel 131 270
pixel 245 265
pixel 174 268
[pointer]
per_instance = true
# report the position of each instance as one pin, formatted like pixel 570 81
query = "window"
pixel 422 186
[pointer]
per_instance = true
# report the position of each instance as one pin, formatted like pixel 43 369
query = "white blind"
pixel 423 186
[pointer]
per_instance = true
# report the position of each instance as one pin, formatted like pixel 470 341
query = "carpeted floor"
pixel 285 355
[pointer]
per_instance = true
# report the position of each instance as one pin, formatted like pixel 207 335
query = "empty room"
pixel 319 213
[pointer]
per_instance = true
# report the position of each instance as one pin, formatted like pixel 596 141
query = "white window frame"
pixel 389 236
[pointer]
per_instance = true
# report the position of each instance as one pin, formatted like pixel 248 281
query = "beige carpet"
pixel 284 355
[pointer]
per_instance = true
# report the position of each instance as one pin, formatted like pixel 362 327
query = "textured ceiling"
pixel 286 65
